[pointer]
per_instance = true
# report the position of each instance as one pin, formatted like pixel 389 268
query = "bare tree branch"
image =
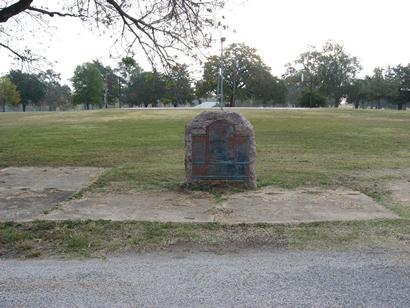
pixel 51 14
pixel 161 28
pixel 21 57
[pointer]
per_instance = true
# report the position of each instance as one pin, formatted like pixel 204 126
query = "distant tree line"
pixel 41 89
pixel 319 77
pixel 323 77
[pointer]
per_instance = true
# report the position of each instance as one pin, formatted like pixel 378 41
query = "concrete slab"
pixel 39 179
pixel 153 206
pixel 33 193
pixel 271 205
pixel 25 205
pixel 263 206
pixel 26 193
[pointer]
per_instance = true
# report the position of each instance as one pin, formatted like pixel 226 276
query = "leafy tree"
pixel 381 86
pixel 329 70
pixel 337 70
pixel 310 99
pixel 30 87
pixel 55 93
pixel 178 85
pixel 402 78
pixel 111 83
pixel 128 71
pixel 357 92
pixel 267 89
pixel 153 88
pixel 88 85
pixel 8 93
pixel 64 97
pixel 127 68
pixel 242 69
pixel 146 88
pixel 160 28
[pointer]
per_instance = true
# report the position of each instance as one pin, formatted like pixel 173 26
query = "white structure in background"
pixel 207 105
pixel 345 104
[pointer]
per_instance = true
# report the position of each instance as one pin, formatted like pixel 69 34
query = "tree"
pixel 8 93
pixel 178 85
pixel 337 69
pixel 30 87
pixel 381 86
pixel 64 97
pixel 111 80
pixel 153 88
pixel 329 70
pixel 55 93
pixel 242 67
pixel 267 89
pixel 357 92
pixel 88 85
pixel 127 68
pixel 310 99
pixel 402 78
pixel 146 88
pixel 160 28
pixel 128 71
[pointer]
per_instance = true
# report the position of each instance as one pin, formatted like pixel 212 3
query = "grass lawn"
pixel 145 150
pixel 102 238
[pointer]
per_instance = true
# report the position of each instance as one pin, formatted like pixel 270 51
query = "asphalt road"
pixel 245 278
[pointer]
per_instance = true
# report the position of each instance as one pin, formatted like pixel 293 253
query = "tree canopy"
pixel 245 76
pixel 8 93
pixel 328 70
pixel 88 85
pixel 162 29
pixel 30 87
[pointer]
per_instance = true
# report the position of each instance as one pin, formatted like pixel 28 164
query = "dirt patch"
pixel 400 191
pixel 26 193
pixel 269 205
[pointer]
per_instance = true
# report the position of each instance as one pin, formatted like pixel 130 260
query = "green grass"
pixel 145 149
pixel 104 238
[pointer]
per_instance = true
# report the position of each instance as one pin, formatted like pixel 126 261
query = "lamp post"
pixel 220 86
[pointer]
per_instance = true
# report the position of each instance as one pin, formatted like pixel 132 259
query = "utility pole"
pixel 119 92
pixel 220 86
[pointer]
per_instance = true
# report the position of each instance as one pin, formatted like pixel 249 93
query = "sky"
pixel 377 32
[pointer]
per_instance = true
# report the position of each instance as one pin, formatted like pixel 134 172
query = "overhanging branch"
pixel 21 57
pixel 14 9
pixel 52 14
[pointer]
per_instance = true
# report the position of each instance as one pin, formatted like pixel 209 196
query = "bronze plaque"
pixel 220 154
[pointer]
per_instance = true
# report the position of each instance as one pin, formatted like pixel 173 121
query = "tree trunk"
pixel 356 105
pixel 400 106
pixel 24 107
pixel 232 100
pixel 3 106
pixel 87 106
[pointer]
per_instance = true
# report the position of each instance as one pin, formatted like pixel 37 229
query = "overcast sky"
pixel 375 31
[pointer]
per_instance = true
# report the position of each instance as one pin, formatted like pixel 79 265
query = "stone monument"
pixel 220 148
